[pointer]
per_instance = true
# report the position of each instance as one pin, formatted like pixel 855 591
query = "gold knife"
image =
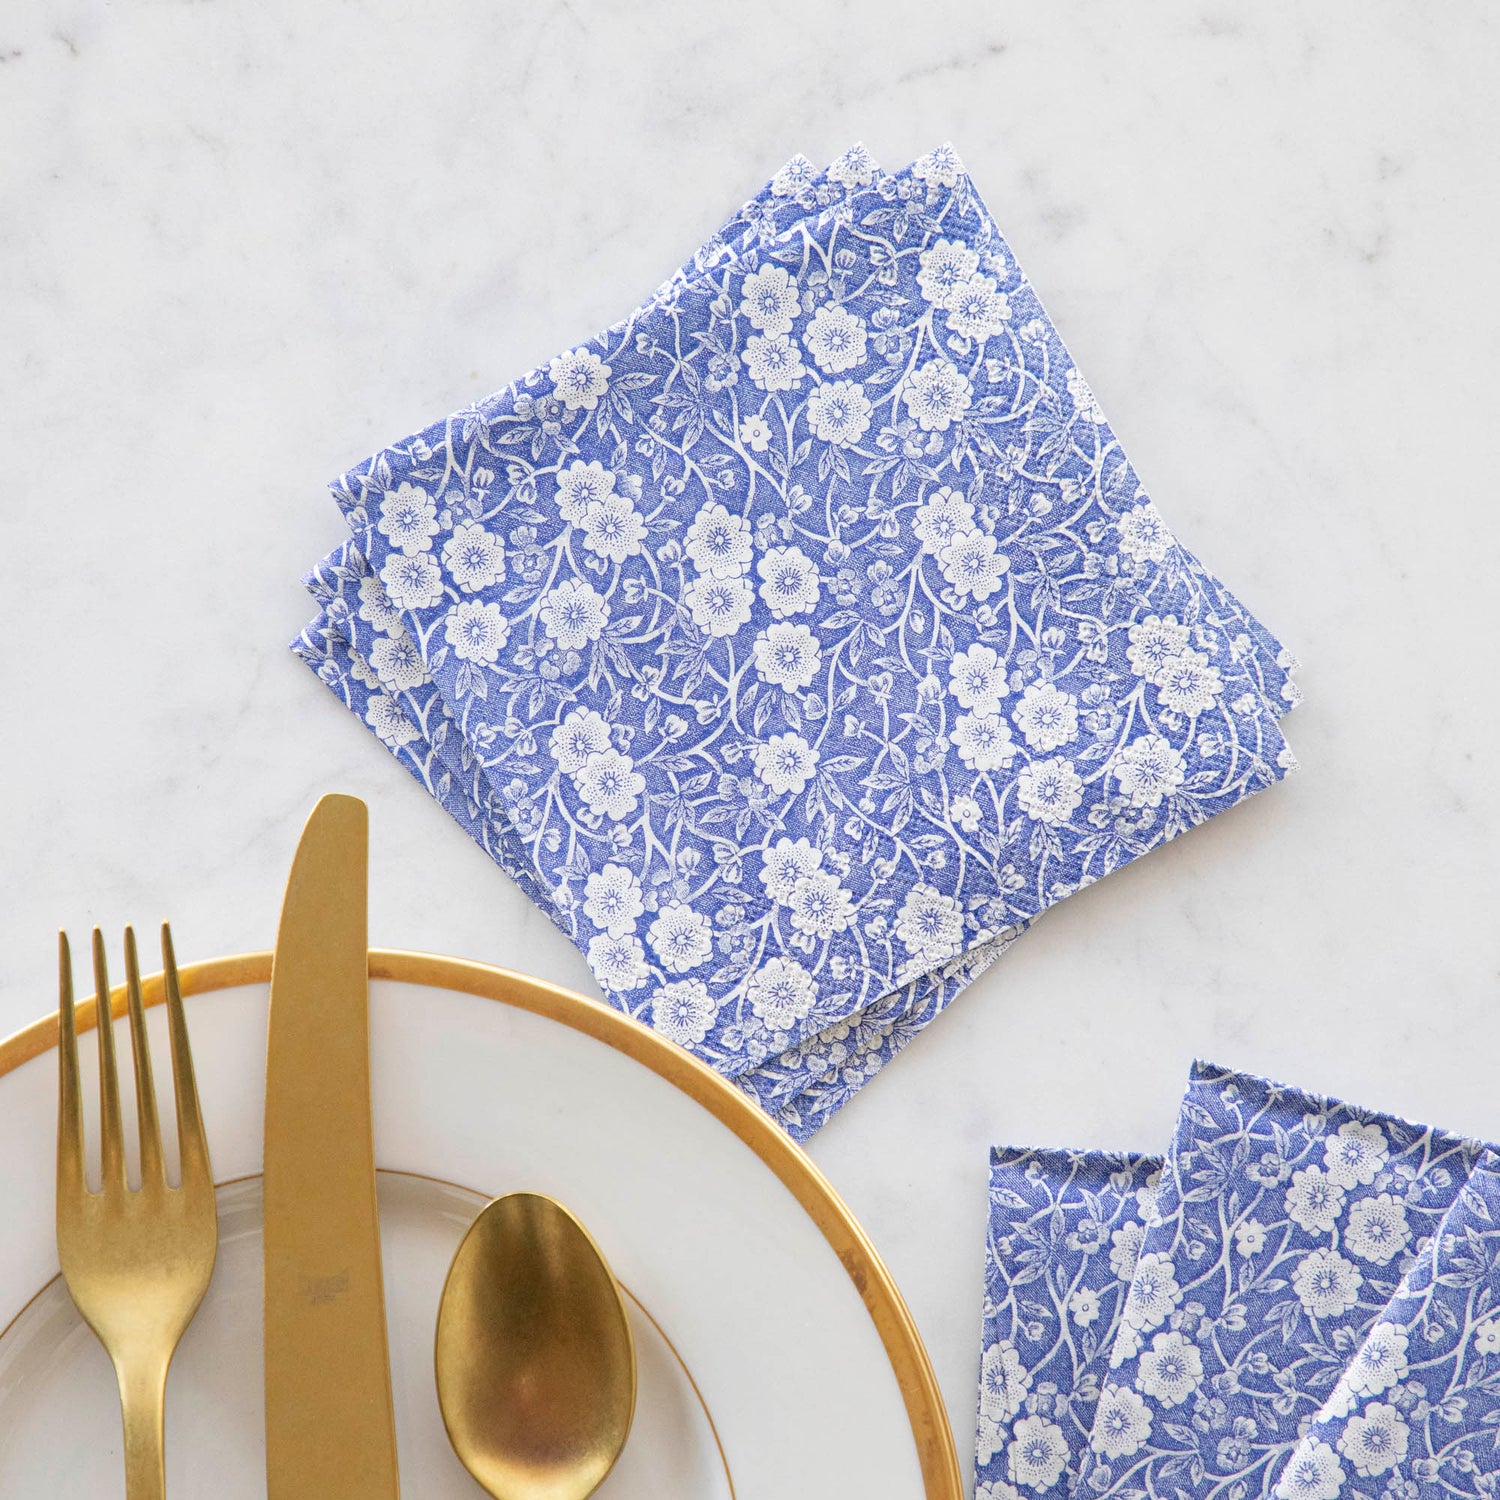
pixel 330 1425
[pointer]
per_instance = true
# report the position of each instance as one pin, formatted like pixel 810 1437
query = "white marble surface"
pixel 242 246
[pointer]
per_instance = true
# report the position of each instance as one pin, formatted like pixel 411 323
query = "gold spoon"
pixel 535 1360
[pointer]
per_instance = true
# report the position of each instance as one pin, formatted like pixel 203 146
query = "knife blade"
pixel 330 1424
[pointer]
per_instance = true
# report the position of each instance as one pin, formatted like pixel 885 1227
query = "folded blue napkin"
pixel 1284 1225
pixel 1416 1412
pixel 800 639
pixel 1064 1231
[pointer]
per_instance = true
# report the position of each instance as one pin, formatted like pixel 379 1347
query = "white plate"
pixel 776 1356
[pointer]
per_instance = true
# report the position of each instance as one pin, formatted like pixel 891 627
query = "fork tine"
pixel 111 1131
pixel 145 1089
pixel 192 1142
pixel 71 1182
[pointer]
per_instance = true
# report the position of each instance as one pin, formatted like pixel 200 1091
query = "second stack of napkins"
pixel 1299 1302
pixel 801 638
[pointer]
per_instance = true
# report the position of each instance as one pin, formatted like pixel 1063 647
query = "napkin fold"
pixel 800 639
pixel 1416 1411
pixel 1284 1222
pixel 1064 1231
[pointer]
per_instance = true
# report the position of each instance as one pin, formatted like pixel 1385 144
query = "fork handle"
pixel 143 1391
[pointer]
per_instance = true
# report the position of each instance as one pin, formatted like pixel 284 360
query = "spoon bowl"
pixel 535 1359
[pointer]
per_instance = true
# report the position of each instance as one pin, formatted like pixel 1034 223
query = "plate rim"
pixel 925 1408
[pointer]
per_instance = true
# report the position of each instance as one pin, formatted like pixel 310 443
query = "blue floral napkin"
pixel 1283 1227
pixel 1064 1231
pixel 801 638
pixel 1416 1412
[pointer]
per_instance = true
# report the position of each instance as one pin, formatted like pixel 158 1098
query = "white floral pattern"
pixel 946 495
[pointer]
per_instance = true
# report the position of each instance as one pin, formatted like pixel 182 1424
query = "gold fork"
pixel 137 1261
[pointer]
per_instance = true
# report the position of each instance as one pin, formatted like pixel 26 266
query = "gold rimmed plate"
pixel 777 1354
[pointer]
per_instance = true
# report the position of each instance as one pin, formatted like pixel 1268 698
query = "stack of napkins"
pixel 799 639
pixel 1302 1301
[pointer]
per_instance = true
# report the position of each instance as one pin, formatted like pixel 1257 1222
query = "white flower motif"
pixel 579 378
pixel 983 742
pixel 618 961
pixel 583 485
pixel 387 718
pixel 719 542
pixel 1122 1422
pixel 1355 1154
pixel 681 937
pixel 972 564
pixel 937 395
pixel 612 900
pixel 769 298
pixel 785 763
pixel 1049 790
pixel 787 655
pixel 1036 1454
pixel 474 557
pixel 774 364
pixel 839 413
pixel 362 671
pixel 1377 1229
pixel 1380 1362
pixel 796 175
pixel 944 516
pixel 684 1012
pixel 1125 1246
pixel 1153 1293
pixel 819 905
pixel 1487 1336
pixel 397 662
pixel 1314 1200
pixel 1084 1306
pixel 965 811
pixel 476 631
pixel 412 582
pixel 1188 684
pixel 609 784
pixel 1143 534
pixel 755 434
pixel 1003 1381
pixel 1326 1283
pixel 1171 1369
pixel 930 924
pixel 789 581
pixel 1376 1440
pixel 375 606
pixel 978 309
pixel 1046 716
pixel 1313 1472
pixel 835 338
pixel 1084 402
pixel 1250 1237
pixel 582 734
pixel 1148 769
pixel 573 614
pixel 977 678
pixel 408 518
pixel 613 528
pixel 1153 643
pixel 719 605
pixel 780 992
pixel 784 865
pixel 854 169
pixel 943 268
pixel 939 168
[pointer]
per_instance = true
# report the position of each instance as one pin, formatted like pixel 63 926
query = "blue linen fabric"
pixel 800 639
pixel 1064 1230
pixel 1284 1224
pixel 1416 1413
